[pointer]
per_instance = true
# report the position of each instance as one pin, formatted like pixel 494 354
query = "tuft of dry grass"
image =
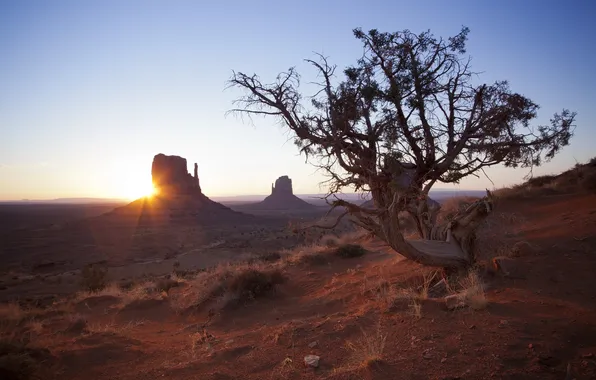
pixel 473 291
pixel 368 350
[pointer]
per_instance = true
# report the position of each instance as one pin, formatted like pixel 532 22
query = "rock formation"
pixel 282 187
pixel 282 197
pixel 179 196
pixel 170 176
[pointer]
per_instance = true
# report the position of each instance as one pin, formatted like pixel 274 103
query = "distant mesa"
pixel 282 197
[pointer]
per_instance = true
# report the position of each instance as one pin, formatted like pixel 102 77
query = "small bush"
pixel 165 284
pixel 541 180
pixel 269 257
pixel 126 285
pixel 588 183
pixel 350 251
pixel 94 277
pixel 253 283
pixel 229 284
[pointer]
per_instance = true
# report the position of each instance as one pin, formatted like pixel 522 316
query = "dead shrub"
pixel 94 277
pixel 350 251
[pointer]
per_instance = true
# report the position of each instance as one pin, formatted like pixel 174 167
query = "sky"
pixel 90 91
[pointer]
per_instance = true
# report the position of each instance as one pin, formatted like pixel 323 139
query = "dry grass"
pixel 472 291
pixel 368 350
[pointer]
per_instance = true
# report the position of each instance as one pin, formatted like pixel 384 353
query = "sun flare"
pixel 141 190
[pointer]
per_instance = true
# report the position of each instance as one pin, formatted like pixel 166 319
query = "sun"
pixel 139 190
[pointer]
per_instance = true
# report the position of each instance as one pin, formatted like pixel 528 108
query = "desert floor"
pixel 375 315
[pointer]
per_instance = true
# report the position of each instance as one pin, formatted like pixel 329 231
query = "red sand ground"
pixel 532 327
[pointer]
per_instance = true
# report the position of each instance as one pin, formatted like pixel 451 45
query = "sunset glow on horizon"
pixel 91 91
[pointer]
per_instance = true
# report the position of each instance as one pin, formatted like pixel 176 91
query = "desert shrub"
pixel 330 241
pixel 350 250
pixel 588 183
pixel 165 284
pixel 126 285
pixel 269 257
pixel 592 162
pixel 94 277
pixel 229 284
pixel 541 180
pixel 252 283
pixel 311 258
pixel 185 274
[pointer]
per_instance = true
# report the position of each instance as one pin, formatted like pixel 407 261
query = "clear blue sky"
pixel 90 91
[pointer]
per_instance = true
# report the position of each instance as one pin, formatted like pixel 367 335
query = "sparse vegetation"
pixel 580 178
pixel 473 291
pixel 94 277
pixel 349 251
pixel 368 350
pixel 231 284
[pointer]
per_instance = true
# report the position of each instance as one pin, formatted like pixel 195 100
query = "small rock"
pixel 427 355
pixel 312 344
pixel 503 323
pixel 443 360
pixel 530 346
pixel 311 361
pixel 229 341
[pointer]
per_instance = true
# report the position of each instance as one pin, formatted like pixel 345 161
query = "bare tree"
pixel 405 117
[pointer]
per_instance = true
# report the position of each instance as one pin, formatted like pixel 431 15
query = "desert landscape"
pixel 400 209
pixel 214 301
